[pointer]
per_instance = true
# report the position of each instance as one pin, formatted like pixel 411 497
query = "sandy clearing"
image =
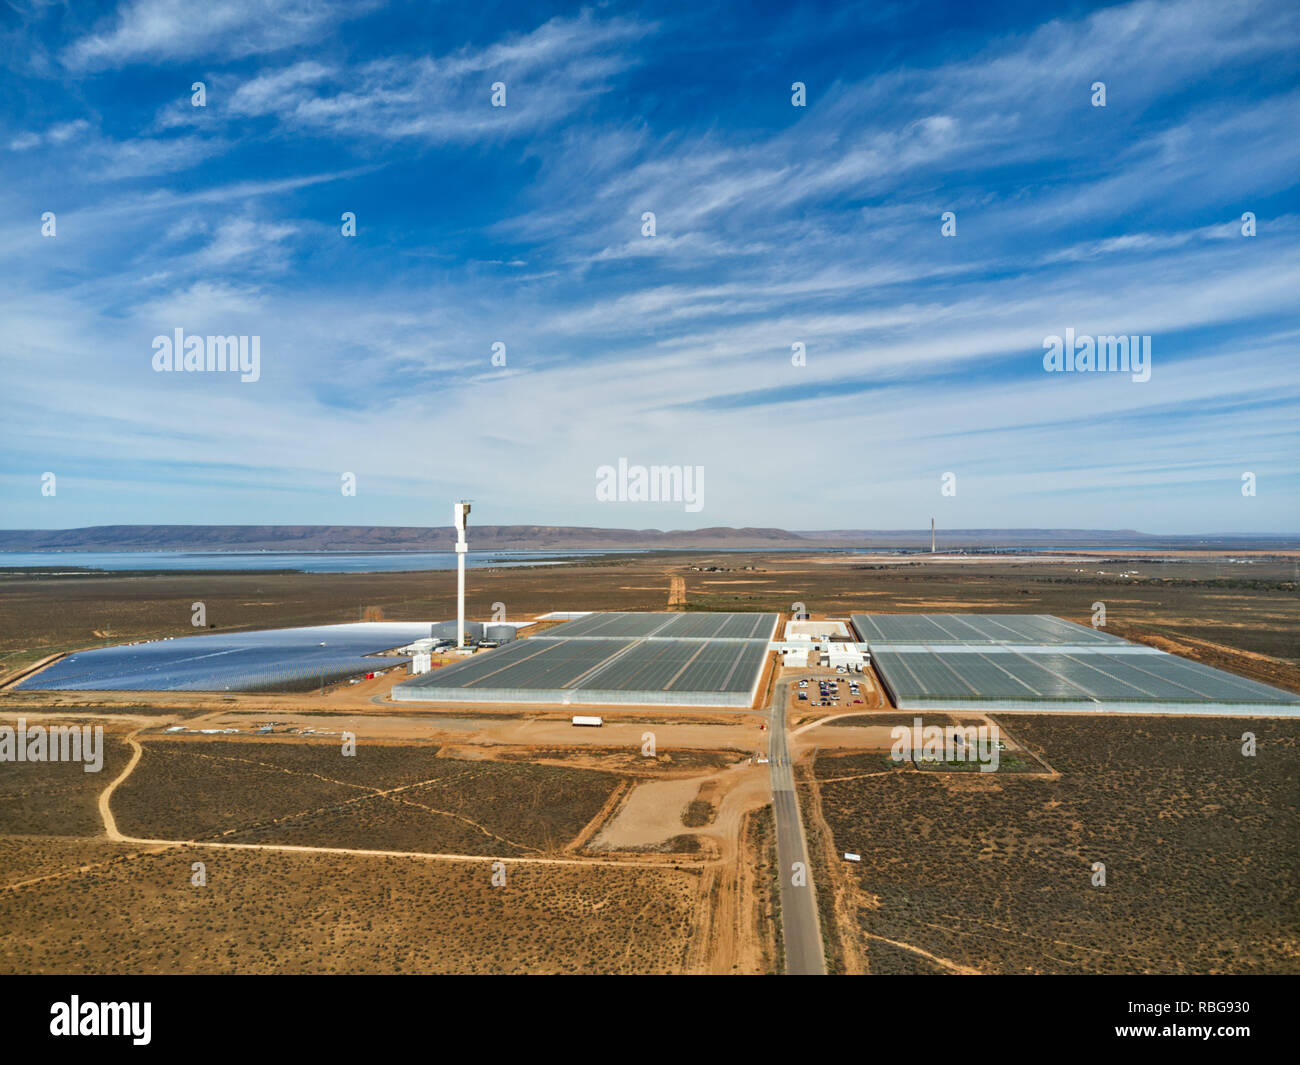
pixel 728 938
pixel 867 737
pixel 744 788
pixel 652 814
pixel 739 731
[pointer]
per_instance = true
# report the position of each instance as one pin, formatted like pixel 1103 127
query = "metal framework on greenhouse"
pixel 267 660
pixel 630 659
pixel 1039 662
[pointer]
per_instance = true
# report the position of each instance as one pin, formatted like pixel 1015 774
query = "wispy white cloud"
pixel 924 353
pixel 166 30
pixel 59 133
pixel 547 74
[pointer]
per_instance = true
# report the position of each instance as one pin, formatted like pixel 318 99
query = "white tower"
pixel 932 536
pixel 462 516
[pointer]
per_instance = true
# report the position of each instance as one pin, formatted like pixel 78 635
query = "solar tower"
pixel 462 547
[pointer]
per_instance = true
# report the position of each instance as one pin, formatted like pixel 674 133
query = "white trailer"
pixel 590 721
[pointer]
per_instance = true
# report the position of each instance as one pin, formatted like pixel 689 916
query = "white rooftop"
pixel 810 630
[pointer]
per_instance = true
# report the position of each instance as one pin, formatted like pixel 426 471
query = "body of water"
pixel 303 561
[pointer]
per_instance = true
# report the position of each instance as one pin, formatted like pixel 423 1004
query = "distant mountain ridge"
pixel 557 537
pixel 376 538
pixel 1018 537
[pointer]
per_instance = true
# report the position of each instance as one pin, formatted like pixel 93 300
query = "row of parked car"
pixel 828 693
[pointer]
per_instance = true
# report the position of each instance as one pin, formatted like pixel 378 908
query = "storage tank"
pixel 499 633
pixel 446 630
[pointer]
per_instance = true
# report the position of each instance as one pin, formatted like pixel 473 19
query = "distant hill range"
pixel 557 537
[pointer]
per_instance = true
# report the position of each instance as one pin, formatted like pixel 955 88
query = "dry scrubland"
pixel 57 798
pixel 760 841
pixel 310 794
pixel 49 824
pixel 28 858
pixel 264 912
pixel 992 872
pixel 84 905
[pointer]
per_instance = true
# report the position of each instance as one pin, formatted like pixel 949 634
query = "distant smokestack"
pixel 932 536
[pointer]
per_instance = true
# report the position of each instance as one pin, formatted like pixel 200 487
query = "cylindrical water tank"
pixel 446 630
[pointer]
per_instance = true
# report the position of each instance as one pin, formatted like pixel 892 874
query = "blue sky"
pixel 775 225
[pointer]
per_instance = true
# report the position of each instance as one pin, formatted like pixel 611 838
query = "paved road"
pixel 799 920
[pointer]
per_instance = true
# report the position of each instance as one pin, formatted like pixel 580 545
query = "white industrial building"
pixel 849 655
pixel 815 631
